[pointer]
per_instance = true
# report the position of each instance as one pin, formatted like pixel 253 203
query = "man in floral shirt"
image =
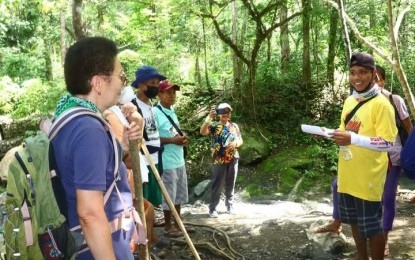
pixel 225 138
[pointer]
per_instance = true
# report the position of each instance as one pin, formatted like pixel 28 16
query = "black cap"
pixel 362 59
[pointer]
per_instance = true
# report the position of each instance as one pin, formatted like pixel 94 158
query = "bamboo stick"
pixel 169 202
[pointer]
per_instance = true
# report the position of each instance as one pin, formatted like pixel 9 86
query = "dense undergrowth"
pixel 295 160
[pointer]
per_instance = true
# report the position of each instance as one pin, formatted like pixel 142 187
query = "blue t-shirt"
pixel 408 156
pixel 85 159
pixel 172 154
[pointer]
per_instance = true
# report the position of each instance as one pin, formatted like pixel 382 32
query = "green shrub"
pixel 34 97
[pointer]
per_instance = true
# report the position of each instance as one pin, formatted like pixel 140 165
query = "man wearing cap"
pixel 146 82
pixel 364 139
pixel 173 139
pixel 226 138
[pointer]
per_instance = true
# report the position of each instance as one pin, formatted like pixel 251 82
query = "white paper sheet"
pixel 317 130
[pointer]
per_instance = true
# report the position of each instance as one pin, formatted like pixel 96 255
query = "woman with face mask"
pixel 146 82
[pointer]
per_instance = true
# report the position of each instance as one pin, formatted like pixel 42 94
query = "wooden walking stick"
pixel 138 188
pixel 169 202
pixel 138 183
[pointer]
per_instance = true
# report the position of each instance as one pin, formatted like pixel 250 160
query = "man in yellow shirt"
pixel 364 136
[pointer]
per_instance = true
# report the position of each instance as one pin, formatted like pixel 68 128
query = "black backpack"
pixel 403 134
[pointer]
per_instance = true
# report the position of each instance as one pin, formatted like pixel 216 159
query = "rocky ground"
pixel 276 229
pixel 280 229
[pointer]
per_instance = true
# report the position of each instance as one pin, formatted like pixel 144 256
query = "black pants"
pixel 223 174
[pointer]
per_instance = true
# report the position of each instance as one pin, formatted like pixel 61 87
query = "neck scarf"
pixel 68 101
pixel 366 95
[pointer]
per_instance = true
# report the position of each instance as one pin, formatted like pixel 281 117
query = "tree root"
pixel 214 249
pixel 206 245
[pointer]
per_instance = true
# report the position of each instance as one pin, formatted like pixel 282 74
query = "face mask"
pixel 127 94
pixel 151 91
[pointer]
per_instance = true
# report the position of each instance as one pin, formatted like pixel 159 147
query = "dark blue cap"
pixel 145 73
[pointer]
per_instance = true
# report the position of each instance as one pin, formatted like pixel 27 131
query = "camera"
pixel 220 111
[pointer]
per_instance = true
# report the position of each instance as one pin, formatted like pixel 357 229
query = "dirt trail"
pixel 277 229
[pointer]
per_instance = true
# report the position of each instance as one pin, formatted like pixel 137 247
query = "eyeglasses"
pixel 123 78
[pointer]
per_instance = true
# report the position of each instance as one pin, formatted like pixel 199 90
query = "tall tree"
pixel 258 15
pixel 397 66
pixel 235 60
pixel 345 31
pixel 306 42
pixel 77 19
pixel 63 36
pixel 205 51
pixel 393 34
pixel 284 40
pixel 332 45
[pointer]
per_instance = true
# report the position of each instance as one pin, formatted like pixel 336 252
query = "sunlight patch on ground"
pixel 253 214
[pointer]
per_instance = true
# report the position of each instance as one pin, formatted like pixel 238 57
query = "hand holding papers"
pixel 317 130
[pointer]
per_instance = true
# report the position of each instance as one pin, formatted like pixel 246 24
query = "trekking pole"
pixel 169 202
pixel 138 188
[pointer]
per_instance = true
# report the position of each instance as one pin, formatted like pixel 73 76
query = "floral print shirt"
pixel 221 135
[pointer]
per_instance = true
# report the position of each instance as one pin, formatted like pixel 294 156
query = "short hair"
pixel 381 71
pixel 86 58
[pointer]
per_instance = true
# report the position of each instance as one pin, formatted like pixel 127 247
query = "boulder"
pixel 6 145
pixel 255 148
pixel 329 242
pixel 201 188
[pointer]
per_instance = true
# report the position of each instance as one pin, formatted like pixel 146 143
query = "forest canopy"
pixel 280 63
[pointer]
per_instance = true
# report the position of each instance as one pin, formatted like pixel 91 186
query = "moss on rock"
pixel 288 172
pixel 254 149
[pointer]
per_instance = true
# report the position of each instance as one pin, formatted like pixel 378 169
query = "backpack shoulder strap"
pixel 145 135
pixel 70 114
pixel 67 116
pixel 351 114
pixel 394 107
pixel 171 121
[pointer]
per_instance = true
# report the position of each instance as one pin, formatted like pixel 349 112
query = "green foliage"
pixel 21 66
pixel 27 39
pixel 289 102
pixel 9 92
pixel 32 98
pixel 179 39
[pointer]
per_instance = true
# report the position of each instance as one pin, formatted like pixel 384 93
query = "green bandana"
pixel 68 101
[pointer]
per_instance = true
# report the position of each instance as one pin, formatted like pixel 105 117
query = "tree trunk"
pixel 284 41
pixel 397 67
pixel 332 46
pixel 63 36
pixel 346 40
pixel 209 87
pixel 393 33
pixel 235 60
pixel 77 19
pixel 242 70
pixel 48 53
pixel 198 77
pixel 306 42
pixel 100 18
pixel 262 31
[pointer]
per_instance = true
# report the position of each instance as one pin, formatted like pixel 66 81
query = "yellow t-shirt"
pixel 364 175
